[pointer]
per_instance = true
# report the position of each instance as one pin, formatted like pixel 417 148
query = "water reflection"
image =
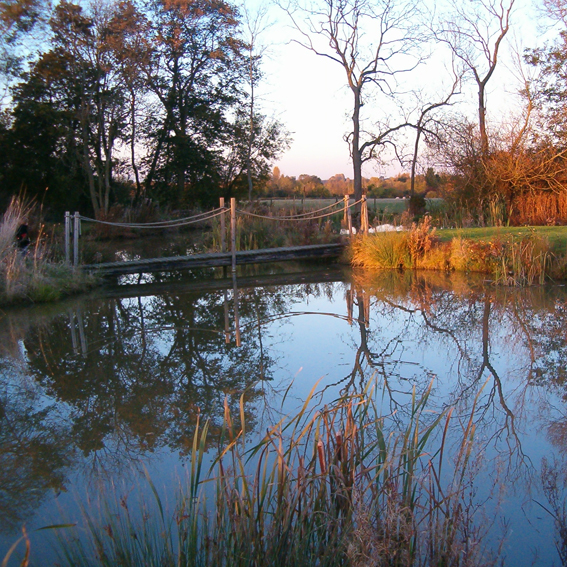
pixel 92 386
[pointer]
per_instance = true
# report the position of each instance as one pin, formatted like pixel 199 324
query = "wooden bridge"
pixel 217 259
pixel 223 258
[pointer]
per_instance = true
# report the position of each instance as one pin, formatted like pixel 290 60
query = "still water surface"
pixel 99 388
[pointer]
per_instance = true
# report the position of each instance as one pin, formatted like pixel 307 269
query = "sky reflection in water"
pixel 92 388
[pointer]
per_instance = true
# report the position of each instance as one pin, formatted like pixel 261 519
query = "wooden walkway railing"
pixel 224 257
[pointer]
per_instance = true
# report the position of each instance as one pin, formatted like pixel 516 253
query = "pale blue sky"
pixel 308 94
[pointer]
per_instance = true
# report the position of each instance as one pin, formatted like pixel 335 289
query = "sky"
pixel 308 94
pixel 314 104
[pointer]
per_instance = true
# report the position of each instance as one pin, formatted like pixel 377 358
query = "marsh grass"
pixel 33 275
pixel 327 488
pixel 513 260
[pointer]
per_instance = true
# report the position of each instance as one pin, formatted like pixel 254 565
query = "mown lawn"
pixel 556 235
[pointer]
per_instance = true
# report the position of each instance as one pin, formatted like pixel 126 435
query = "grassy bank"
pixel 556 236
pixel 343 486
pixel 510 255
pixel 34 273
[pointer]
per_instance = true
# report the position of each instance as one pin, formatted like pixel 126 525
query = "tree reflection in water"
pixel 114 380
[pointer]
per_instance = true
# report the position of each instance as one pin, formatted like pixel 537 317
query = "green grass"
pixel 391 206
pixel 555 235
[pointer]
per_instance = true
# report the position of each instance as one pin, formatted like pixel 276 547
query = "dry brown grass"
pixel 33 274
pixel 524 260
pixel 543 208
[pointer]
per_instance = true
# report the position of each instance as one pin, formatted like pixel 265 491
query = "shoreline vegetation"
pixel 339 486
pixel 508 255
pixel 513 256
pixel 34 274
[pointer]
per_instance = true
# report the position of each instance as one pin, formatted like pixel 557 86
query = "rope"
pixel 174 223
pixel 302 216
pixel 317 210
pixel 201 217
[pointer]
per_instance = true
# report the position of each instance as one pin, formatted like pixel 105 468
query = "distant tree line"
pixel 429 185
pixel 122 101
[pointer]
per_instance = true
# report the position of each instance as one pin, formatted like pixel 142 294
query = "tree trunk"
pixel 414 161
pixel 251 130
pixel 356 158
pixel 482 119
pixel 133 150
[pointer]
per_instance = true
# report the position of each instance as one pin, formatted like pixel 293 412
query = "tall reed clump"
pixel 328 488
pixel 524 262
pixel 32 274
pixel 516 262
pixel 409 249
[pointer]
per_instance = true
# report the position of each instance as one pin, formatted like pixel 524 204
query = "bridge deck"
pixel 216 259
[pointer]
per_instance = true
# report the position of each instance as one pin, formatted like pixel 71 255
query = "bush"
pixel 33 274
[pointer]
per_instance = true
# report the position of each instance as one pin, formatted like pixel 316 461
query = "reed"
pixel 327 488
pixel 526 259
pixel 34 274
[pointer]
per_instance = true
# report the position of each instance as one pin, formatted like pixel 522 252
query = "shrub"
pixel 32 274
pixel 511 262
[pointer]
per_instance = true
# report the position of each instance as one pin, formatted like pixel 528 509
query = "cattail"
pixel 321 454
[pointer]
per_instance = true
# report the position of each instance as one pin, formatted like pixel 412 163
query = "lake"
pixel 97 390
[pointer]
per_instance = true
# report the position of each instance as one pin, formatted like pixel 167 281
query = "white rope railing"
pixel 303 216
pixel 341 203
pixel 73 223
pixel 173 223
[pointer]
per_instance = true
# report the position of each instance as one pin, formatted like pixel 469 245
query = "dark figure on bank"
pixel 22 237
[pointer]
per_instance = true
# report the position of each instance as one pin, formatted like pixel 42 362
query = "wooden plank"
pixel 216 259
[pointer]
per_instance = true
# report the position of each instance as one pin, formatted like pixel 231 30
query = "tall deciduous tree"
pixel 127 37
pixel 78 80
pixel 256 138
pixel 255 24
pixel 550 86
pixel 373 41
pixel 255 142
pixel 428 122
pixel 19 19
pixel 196 73
pixel 475 33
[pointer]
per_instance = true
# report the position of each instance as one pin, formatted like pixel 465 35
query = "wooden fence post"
pixel 233 232
pixel 67 237
pixel 76 234
pixel 236 311
pixel 222 227
pixel 364 215
pixel 345 216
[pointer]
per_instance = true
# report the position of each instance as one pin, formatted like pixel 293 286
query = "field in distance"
pixel 391 205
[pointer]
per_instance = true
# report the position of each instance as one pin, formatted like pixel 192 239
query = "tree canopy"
pixel 128 101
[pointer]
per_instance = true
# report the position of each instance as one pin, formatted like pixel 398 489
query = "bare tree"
pixel 374 42
pixel 255 23
pixel 428 122
pixel 475 34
